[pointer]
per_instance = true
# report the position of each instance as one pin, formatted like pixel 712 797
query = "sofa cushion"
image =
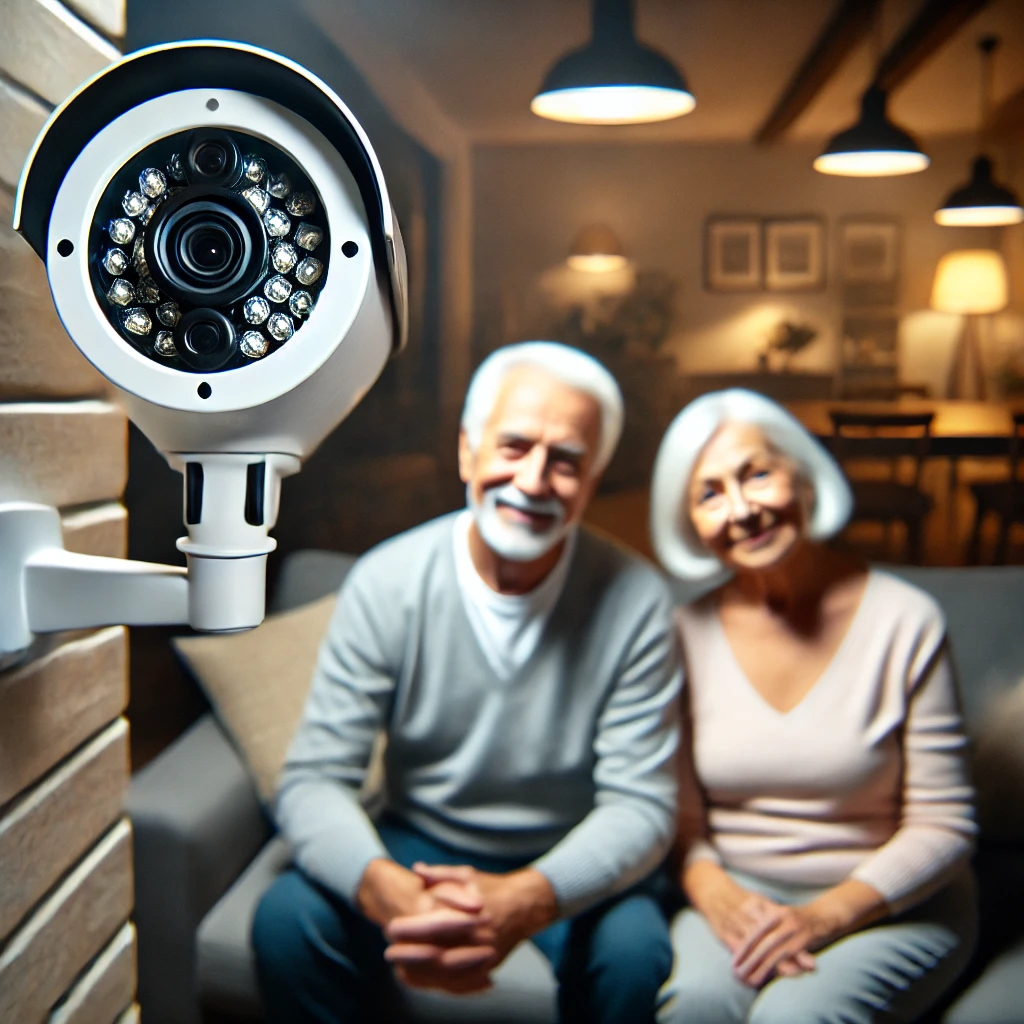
pixel 523 992
pixel 982 606
pixel 257 682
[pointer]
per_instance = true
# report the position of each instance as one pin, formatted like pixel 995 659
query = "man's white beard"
pixel 516 541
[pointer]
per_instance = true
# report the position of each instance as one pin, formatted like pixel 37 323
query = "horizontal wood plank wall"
pixel 55 822
pixel 47 953
pixel 107 16
pixel 97 530
pixel 46 49
pixel 37 358
pixel 54 704
pixel 107 988
pixel 62 453
pixel 21 117
pixel 67 949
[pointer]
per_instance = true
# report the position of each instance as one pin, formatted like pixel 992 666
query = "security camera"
pixel 220 245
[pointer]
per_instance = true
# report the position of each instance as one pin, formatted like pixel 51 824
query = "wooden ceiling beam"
pixel 851 22
pixel 935 24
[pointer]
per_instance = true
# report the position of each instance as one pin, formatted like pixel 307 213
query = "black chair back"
pixel 882 435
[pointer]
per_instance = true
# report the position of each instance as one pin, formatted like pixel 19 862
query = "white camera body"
pixel 233 420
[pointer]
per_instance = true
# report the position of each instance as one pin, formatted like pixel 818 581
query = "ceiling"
pixel 481 61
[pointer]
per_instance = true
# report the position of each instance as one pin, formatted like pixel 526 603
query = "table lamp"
pixel 971 282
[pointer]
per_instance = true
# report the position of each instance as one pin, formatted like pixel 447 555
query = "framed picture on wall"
pixel 869 260
pixel 794 254
pixel 732 254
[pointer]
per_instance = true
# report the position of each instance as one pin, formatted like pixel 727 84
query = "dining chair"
pixel 1004 498
pixel 894 438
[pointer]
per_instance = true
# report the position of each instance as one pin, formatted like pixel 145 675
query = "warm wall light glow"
pixel 970 281
pixel 597 250
pixel 597 263
pixel 871 164
pixel 613 104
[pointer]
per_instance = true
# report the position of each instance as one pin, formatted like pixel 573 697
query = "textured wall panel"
pixel 52 705
pixel 106 15
pixel 45 47
pixel 62 453
pixel 106 990
pixel 37 358
pixel 54 823
pixel 46 954
pixel 21 117
pixel 98 530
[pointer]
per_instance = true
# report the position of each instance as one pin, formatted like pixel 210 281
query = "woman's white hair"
pixel 675 540
pixel 568 365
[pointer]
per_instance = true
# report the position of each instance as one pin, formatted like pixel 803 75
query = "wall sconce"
pixel 597 249
pixel 971 282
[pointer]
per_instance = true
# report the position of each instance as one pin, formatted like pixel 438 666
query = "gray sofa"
pixel 205 850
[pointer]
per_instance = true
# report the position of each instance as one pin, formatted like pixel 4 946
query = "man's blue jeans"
pixel 321 962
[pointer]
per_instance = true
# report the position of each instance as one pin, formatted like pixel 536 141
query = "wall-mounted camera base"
pixel 44 588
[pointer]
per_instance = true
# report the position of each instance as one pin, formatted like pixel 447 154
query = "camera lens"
pixel 213 158
pixel 205 339
pixel 206 247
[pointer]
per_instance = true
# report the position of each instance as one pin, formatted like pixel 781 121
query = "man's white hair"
pixel 675 540
pixel 568 365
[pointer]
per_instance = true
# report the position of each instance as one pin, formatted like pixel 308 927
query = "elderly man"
pixel 526 676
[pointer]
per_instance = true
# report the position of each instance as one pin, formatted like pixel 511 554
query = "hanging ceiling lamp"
pixel 614 79
pixel 874 147
pixel 981 202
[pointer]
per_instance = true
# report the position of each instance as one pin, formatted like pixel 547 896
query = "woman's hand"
pixel 784 939
pixel 788 935
pixel 733 912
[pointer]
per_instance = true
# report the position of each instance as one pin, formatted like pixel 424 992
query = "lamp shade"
pixel 980 203
pixel 970 281
pixel 874 147
pixel 597 249
pixel 614 79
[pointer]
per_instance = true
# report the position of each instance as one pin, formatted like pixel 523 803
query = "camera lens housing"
pixel 205 339
pixel 213 158
pixel 206 246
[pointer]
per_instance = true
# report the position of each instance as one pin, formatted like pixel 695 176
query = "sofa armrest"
pixel 197 822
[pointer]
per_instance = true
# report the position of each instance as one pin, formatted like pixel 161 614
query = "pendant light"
pixel 982 202
pixel 874 147
pixel 614 79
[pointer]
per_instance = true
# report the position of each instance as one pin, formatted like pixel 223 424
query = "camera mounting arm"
pixel 231 500
pixel 44 587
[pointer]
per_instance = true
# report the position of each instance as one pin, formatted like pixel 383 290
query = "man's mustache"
pixel 509 494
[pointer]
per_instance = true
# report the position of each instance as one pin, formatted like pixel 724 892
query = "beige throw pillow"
pixel 257 682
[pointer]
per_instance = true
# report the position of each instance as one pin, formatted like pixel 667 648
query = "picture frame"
pixel 869 260
pixel 794 254
pixel 733 259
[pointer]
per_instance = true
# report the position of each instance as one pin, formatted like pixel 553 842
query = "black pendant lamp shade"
pixel 614 79
pixel 981 202
pixel 874 146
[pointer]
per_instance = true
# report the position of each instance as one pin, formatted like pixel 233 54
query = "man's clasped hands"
pixel 448 927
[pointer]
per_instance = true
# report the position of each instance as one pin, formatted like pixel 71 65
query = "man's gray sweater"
pixel 570 763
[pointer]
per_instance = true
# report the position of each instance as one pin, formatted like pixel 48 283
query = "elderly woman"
pixel 826 818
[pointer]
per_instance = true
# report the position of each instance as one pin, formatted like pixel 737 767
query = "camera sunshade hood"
pixel 197 64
